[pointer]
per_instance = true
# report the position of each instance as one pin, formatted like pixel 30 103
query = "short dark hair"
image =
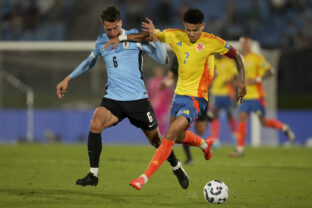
pixel 193 16
pixel 110 14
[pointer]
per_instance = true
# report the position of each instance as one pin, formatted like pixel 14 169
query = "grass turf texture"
pixel 44 176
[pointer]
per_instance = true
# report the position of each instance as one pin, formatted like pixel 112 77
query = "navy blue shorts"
pixel 188 106
pixel 223 102
pixel 253 106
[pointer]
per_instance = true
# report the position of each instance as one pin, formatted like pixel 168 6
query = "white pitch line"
pixel 273 165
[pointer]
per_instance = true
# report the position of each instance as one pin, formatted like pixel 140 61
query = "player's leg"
pixel 215 125
pixel 102 118
pixel 200 128
pixel 182 107
pixel 154 138
pixel 232 121
pixel 244 110
pixel 141 115
pixel 276 124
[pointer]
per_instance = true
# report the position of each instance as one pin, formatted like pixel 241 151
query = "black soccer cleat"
pixel 181 175
pixel 89 180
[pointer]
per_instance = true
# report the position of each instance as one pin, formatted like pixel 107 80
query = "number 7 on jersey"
pixel 187 55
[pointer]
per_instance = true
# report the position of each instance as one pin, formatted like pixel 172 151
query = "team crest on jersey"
pixel 200 47
pixel 125 44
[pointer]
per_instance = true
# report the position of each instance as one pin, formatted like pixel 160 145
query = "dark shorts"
pixel 203 117
pixel 139 112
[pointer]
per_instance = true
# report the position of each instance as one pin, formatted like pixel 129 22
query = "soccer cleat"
pixel 89 180
pixel 181 175
pixel 137 183
pixel 207 151
pixel 289 133
pixel 236 154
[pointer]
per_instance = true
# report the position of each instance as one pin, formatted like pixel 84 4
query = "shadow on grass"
pixel 80 197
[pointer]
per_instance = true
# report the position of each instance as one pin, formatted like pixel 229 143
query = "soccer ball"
pixel 216 192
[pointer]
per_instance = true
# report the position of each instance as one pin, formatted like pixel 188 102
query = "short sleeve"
pixel 264 65
pixel 219 45
pixel 161 34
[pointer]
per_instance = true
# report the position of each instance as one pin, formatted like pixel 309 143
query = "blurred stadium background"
pixel 30 71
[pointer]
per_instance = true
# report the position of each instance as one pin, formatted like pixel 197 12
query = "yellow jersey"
pixel 225 73
pixel 255 66
pixel 196 60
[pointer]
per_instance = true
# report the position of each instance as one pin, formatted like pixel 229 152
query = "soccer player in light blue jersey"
pixel 126 95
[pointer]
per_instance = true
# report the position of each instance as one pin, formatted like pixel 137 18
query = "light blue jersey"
pixel 124 66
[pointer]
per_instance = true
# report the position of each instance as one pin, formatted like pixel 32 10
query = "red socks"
pixel 272 123
pixel 215 128
pixel 161 154
pixel 192 139
pixel 241 134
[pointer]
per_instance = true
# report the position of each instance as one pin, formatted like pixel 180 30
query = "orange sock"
pixel 161 154
pixel 232 122
pixel 192 139
pixel 215 128
pixel 241 134
pixel 273 123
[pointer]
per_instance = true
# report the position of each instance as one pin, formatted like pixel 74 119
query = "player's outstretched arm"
pixel 241 77
pixel 83 67
pixel 156 51
pixel 135 37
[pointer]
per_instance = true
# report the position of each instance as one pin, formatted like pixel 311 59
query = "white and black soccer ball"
pixel 216 192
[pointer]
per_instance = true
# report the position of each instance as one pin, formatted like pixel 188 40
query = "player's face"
pixel 112 29
pixel 246 45
pixel 194 31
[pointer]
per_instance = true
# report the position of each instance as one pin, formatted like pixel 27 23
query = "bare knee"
pixel 96 127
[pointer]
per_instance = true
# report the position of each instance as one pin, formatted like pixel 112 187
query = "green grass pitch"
pixel 44 176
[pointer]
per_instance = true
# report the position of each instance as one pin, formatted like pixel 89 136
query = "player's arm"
pixel 135 37
pixel 86 65
pixel 268 73
pixel 241 76
pixel 148 34
pixel 156 51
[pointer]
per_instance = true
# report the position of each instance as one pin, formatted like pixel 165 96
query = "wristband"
pixel 258 79
pixel 122 37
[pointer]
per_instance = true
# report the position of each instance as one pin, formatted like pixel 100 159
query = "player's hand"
pixel 241 92
pixel 113 41
pixel 150 28
pixel 61 88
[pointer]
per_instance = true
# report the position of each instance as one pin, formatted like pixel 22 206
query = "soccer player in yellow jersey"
pixel 257 68
pixel 195 51
pixel 222 88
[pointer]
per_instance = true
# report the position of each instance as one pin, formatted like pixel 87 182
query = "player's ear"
pixel 203 26
pixel 120 23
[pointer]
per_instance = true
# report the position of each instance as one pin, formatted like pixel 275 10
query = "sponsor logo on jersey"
pixel 200 47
